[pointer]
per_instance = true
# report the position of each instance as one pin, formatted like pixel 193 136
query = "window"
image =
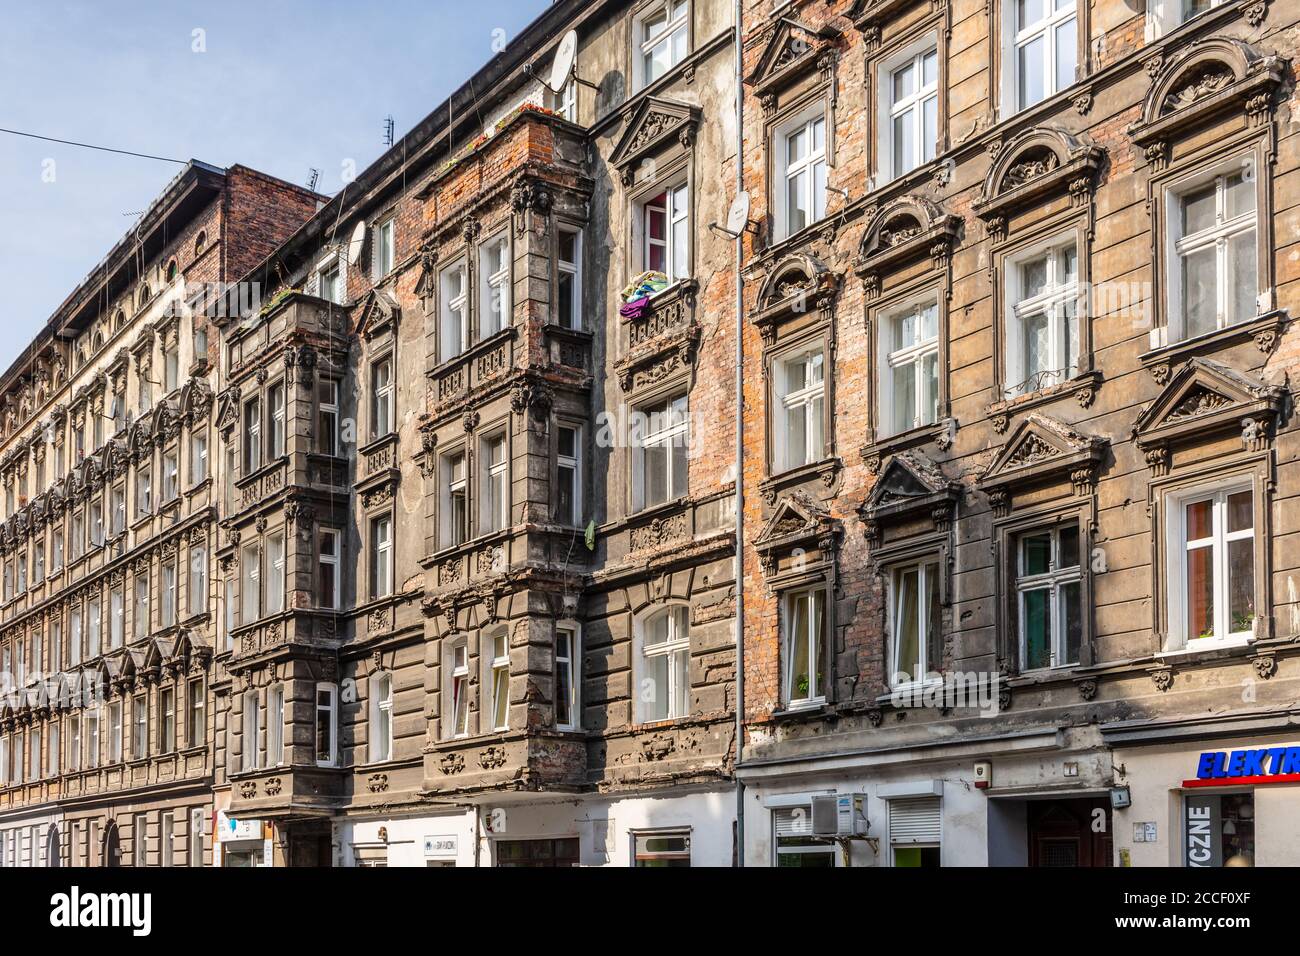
pixel 138 844
pixel 915 624
pixel 568 299
pixel 54 751
pixel 144 393
pixel 801 397
pixel 460 690
pixel 140 741
pixel 1212 565
pixel 663 36
pixel 496 484
pixel 1042 318
pixel 116 616
pixel 169 593
pixel 494 267
pixel 74 637
pixel 92 737
pixel 567 678
pixel 97 523
pixel 662 849
pixel 275 725
pixel 141 623
pixel 1216 278
pixel 381 556
pixel 568 475
pixel 275 574
pixel 22 572
pixel 74 744
pixel 94 625
pixel 1048 597
pixel 326 728
pixel 4 762
pixel 198 457
pixel 455 500
pixel 327 412
pixel 500 681
pixel 1044 37
pixel 115 732
pixel 56 560
pixel 381 398
pixel 171 366
pixel 381 718
pixel 171 473
pixel 915 829
pixel 910 109
pixel 1220 830
pixel 384 249
pixel 143 492
pixel 801 162
pixel 805 625
pixel 251 715
pixel 167 713
pixel 198 579
pixel 252 436
pixel 328 580
pixel 231 473
pixel 909 387
pixel 665 223
pixel 275 399
pixel 167 839
pixel 196 837
pixel 196 729
pixel 565 102
pixel 665 671
pixel 117 517
pixel 331 286
pixel 250 585
pixel 38 561
pixel 454 295
pixel 659 446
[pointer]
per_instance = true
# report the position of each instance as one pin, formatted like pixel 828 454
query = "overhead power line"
pixel 106 149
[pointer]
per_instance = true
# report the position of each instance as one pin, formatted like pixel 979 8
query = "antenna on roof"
pixel 314 179
pixel 388 130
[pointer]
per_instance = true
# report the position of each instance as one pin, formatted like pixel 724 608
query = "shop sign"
pixel 1235 768
pixel 441 847
pixel 230 830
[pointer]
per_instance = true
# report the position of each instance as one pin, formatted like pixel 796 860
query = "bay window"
pixel 568 299
pixel 495 484
pixel 454 296
pixel 494 268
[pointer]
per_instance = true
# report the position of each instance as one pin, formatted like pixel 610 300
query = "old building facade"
pixel 108 642
pixel 1017 293
pixel 429 555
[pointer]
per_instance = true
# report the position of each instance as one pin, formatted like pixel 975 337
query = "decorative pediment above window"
pixel 1210 79
pixel 791 54
pixel 117 457
pixel 905 231
pixel 1042 451
pixel 1039 163
pixel 655 123
pixel 1204 400
pixel 910 487
pixel 228 408
pixel 379 313
pixel 798 285
pixel 799 537
pixel 196 400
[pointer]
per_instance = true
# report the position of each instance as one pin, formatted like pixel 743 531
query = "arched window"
pixel 200 243
pixel 172 269
pixel 99 340
pixel 663 664
pixel 144 297
pixel 119 320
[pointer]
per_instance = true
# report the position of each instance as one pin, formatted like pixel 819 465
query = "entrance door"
pixel 1064 833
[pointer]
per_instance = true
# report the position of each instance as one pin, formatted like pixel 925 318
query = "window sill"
pixel 1265 329
pixel 883 448
pixel 1082 386
pixel 826 470
pixel 1200 647
pixel 244 480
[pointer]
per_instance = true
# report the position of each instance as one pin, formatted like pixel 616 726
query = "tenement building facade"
pixel 451 545
pixel 1018 356
pixel 111 655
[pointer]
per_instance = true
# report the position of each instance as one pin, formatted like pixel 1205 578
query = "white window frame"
pixel 453 311
pixel 198 456
pixel 331 710
pixel 198 580
pixel 816 649
pixel 500 679
pixel 678 692
pixel 925 568
pixel 250 584
pixel 1178 546
pixel 495 285
pixel 275 725
pixel 385 247
pixel 453 532
pixel 1017 37
pixel 275 399
pixel 808 402
pixel 334 561
pixel 140 624
pixel 140 719
pixel 327 417
pixel 812 168
pixel 676 29
pixel 1060 292
pixel 169 593
pixel 252 730
pixel 458 689
pixel 252 427
pixel 276 561
pixel 917 356
pixel 572 271
pixel 676 241
pixel 1217 237
pixel 672 435
pixel 573 464
pixel 383 397
pixel 569 690
pixel 381 548
pixel 381 717
pixel 496 481
pixel 889 109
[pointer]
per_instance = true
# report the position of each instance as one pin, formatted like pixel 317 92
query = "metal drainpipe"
pixel 740 446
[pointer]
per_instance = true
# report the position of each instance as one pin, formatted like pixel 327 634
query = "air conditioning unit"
pixel 839 815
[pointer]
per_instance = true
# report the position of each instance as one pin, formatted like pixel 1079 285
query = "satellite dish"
pixel 738 215
pixel 562 65
pixel 355 244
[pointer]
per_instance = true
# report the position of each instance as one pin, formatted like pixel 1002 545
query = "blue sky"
pixel 283 86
